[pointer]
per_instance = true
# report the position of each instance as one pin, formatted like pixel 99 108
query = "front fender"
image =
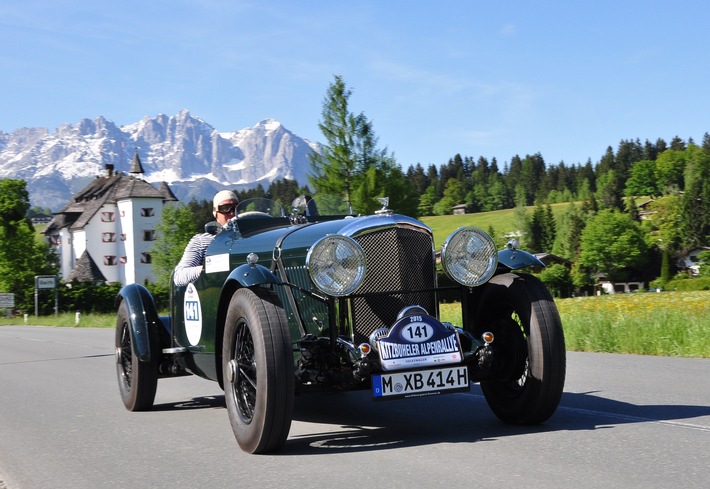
pixel 515 259
pixel 143 318
pixel 250 275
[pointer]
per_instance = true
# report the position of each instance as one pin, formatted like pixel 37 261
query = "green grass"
pixel 64 320
pixel 665 324
pixel 502 221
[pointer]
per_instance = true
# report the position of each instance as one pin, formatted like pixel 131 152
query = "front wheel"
pixel 529 348
pixel 258 371
pixel 137 380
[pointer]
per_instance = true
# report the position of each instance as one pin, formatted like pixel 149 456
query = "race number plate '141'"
pixel 418 341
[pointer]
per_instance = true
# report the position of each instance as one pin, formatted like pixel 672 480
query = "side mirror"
pixel 213 228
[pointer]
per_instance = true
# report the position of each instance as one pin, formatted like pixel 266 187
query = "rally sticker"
pixel 217 263
pixel 417 341
pixel 193 315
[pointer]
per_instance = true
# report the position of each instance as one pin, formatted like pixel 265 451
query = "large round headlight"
pixel 336 265
pixel 469 256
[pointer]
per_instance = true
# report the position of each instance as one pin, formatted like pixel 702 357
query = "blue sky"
pixel 479 78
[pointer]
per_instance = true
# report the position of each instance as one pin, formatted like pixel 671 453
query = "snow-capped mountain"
pixel 183 150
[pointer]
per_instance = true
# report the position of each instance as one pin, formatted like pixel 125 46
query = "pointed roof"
pixel 167 192
pixel 107 189
pixel 86 270
pixel 136 167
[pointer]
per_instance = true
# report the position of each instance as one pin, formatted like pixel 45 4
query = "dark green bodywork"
pixel 268 238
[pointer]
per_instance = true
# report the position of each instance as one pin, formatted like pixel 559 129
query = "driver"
pixel 190 266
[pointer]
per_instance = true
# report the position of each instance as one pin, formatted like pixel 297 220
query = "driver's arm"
pixel 190 265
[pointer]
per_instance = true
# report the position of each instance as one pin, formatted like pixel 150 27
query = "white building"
pixel 691 261
pixel 106 232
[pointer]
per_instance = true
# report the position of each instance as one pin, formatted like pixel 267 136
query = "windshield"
pixel 256 207
pixel 304 205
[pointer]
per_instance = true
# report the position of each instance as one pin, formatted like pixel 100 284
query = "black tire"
pixel 137 381
pixel 258 370
pixel 529 349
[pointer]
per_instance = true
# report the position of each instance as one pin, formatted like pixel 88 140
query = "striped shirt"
pixel 190 265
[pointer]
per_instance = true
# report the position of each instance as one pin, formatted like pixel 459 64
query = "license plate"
pixel 420 383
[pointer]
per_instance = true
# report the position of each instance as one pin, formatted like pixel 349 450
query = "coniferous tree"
pixel 706 142
pixel 695 204
pixel 536 231
pixel 569 232
pixel 418 178
pixel 541 232
pixel 512 177
pixel 666 272
pixel 284 191
pixel 610 191
pixel 607 162
pixel 201 211
pixel 351 166
pixel 628 153
pixel 677 144
pixel 333 170
pixel 650 151
pixel 584 181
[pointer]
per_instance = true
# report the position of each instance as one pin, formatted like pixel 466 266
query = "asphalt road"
pixel 624 421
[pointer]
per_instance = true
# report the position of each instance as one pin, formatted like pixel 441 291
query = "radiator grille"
pixel 398 259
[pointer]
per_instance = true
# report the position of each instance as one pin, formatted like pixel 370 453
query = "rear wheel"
pixel 529 348
pixel 137 380
pixel 258 371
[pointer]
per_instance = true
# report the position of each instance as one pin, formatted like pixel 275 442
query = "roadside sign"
pixel 7 300
pixel 46 281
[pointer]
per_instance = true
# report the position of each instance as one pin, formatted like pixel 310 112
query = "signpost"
pixel 7 301
pixel 46 282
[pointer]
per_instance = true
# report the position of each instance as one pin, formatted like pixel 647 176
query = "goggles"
pixel 226 208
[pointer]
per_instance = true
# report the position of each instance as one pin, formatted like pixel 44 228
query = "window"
pixel 109 260
pixel 123 236
pixel 108 237
pixel 149 235
pixel 123 260
pixel 123 213
pixel 147 212
pixel 146 258
pixel 108 217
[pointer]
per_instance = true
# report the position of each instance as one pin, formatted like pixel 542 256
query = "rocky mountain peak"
pixel 182 149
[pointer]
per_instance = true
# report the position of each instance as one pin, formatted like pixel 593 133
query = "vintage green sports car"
pixel 303 301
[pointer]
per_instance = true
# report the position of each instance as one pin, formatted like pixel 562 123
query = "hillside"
pixel 502 222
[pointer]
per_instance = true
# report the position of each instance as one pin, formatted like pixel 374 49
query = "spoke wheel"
pixel 137 381
pixel 257 364
pixel 529 349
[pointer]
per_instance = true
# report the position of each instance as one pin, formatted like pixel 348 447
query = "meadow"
pixel 662 324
